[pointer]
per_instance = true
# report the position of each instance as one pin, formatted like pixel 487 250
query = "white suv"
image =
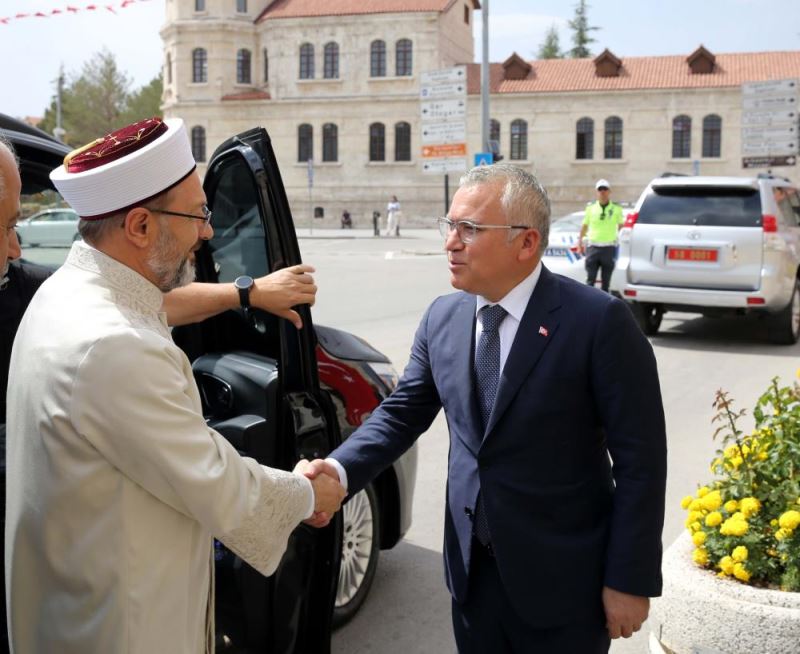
pixel 714 245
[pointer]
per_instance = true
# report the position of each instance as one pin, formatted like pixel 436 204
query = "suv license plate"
pixel 707 255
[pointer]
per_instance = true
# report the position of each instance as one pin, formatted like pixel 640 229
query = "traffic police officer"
pixel 601 222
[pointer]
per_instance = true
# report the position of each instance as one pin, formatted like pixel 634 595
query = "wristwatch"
pixel 243 284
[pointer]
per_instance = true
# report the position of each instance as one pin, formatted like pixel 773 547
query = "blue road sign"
pixel 484 159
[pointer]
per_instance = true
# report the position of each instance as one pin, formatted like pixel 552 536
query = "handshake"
pixel 328 491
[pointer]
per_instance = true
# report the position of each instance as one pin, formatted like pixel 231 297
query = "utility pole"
pixel 485 77
pixel 58 130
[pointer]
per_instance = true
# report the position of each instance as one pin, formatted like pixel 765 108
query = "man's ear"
pixel 139 226
pixel 531 240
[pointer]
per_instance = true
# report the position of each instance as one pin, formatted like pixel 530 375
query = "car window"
pixel 239 243
pixel 702 205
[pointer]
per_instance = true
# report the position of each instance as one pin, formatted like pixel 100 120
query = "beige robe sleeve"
pixel 135 400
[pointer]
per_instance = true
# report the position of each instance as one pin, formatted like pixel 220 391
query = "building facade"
pixel 338 83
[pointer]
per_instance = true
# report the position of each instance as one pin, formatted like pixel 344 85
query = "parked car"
pixel 277 394
pixel 715 246
pixel 54 227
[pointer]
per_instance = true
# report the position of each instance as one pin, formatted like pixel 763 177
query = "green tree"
pixel 99 101
pixel 581 32
pixel 550 48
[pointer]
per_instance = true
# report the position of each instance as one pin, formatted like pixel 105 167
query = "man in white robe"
pixel 116 487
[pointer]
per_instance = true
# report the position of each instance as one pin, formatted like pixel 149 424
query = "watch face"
pixel 244 282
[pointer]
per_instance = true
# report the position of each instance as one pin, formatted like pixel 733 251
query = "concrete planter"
pixel 700 613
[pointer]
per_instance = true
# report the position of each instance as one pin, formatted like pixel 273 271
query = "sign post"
pixel 770 123
pixel 310 201
pixel 443 112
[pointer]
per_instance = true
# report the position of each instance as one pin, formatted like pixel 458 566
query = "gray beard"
pixel 161 261
pixel 4 276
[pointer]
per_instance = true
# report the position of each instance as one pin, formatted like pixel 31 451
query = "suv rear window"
pixel 702 205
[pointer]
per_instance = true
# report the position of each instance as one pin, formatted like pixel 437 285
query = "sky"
pixel 32 49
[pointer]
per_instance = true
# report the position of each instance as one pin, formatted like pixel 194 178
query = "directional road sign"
pixel 430 92
pixel 768 118
pixel 782 133
pixel 768 162
pixel 764 148
pixel 444 76
pixel 770 87
pixel 444 150
pixel 443 109
pixel 444 165
pixel 451 131
pixel 772 102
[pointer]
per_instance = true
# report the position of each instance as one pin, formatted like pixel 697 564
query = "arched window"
pixel 305 143
pixel 266 65
pixel 403 58
pixel 584 139
pixel 306 61
pixel 331 60
pixel 377 59
pixel 243 66
pixel 377 142
pixel 519 140
pixel 241 6
pixel 199 143
pixel 168 66
pixel 681 137
pixel 613 140
pixel 199 65
pixel 712 135
pixel 330 142
pixel 402 142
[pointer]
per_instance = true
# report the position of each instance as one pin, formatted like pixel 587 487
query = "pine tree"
pixel 550 48
pixel 580 32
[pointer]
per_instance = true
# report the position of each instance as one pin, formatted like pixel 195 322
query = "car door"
pixel 259 383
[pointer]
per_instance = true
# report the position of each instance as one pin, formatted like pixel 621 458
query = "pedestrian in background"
pixel 376 223
pixel 347 221
pixel 393 217
pixel 601 222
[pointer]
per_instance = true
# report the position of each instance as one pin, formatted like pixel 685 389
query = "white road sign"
pixel 455 90
pixel 772 102
pixel 453 131
pixel 770 87
pixel 444 165
pixel 768 147
pixel 444 76
pixel 784 132
pixel 443 109
pixel 770 118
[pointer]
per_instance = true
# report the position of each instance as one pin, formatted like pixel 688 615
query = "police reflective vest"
pixel 603 223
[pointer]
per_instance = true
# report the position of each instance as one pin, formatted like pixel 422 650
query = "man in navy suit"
pixel 557 465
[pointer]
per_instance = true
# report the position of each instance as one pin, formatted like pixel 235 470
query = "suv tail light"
pixel 769 223
pixel 631 218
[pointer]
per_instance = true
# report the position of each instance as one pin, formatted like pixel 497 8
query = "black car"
pixel 278 394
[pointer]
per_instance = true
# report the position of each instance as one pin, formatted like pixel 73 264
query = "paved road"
pixel 378 288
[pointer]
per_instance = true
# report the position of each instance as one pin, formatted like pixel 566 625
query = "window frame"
pixel 612 137
pixel 244 67
pixel 402 141
pixel 584 139
pixel 330 60
pixel 306 61
pixel 198 143
pixel 518 150
pixel 404 58
pixel 377 142
pixel 682 137
pixel 305 143
pixel 712 136
pixel 377 58
pixel 330 143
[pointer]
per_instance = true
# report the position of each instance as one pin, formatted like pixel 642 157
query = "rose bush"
pixel 745 524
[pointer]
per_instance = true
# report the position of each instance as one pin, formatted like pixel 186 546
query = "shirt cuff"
pixel 312 499
pixel 339 469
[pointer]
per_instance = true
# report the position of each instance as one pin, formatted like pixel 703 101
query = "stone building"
pixel 338 82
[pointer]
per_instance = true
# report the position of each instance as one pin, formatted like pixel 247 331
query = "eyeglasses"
pixel 467 230
pixel 206 217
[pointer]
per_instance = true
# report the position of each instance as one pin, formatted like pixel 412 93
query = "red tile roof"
pixel 559 75
pixel 307 8
pixel 247 95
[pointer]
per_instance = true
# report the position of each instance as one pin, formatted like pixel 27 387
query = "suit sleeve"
pixel 397 422
pixel 132 400
pixel 625 382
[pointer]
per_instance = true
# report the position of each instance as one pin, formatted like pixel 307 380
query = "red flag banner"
pixel 71 9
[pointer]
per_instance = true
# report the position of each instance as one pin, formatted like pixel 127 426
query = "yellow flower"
pixel 686 501
pixel 762 455
pixel 783 533
pixel 736 461
pixel 734 527
pixel 702 491
pixel 712 501
pixel 740 572
pixel 696 505
pixel 745 450
pixel 790 520
pixel 750 506
pixel 700 556
pixel 698 538
pixel 713 519
pixel 740 553
pixel 731 451
pixel 726 565
pixel 714 464
pixel 695 526
pixel 773 523
pixel 731 506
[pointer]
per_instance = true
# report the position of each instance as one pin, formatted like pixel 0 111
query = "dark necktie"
pixel 487 377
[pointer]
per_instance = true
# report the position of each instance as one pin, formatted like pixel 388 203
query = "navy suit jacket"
pixel 565 518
